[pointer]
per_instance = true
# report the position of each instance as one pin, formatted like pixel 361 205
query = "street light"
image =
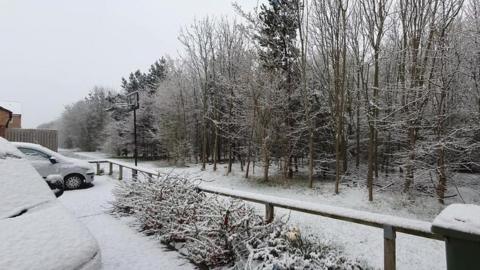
pixel 133 99
pixel 132 104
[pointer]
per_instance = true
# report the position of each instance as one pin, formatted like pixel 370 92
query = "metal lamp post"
pixel 133 100
pixel 133 103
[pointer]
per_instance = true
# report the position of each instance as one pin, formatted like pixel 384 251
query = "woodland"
pixel 306 88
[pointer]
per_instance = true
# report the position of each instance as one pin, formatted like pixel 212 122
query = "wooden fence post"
pixel 120 172
pixel 98 168
pixel 269 213
pixel 110 168
pixel 389 252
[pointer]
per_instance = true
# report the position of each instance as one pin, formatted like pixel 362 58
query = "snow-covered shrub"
pixel 214 231
pixel 285 248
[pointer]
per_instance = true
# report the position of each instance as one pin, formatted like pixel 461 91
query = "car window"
pixel 33 154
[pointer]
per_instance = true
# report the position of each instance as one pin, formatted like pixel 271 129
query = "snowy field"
pixel 122 247
pixel 358 241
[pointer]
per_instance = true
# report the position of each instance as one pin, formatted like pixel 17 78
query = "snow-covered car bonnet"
pixel 21 185
pixel 78 163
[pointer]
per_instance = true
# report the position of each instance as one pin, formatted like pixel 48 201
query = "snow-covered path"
pixel 121 246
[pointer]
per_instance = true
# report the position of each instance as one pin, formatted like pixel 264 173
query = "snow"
pixel 14 107
pixel 463 218
pixel 212 230
pixel 36 232
pixel 21 186
pixel 7 149
pixel 121 246
pixel 364 243
pixel 71 161
pixel 358 241
pixel 131 166
pixel 47 237
pixel 326 210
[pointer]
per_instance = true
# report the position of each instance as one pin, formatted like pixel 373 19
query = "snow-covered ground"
pixel 121 246
pixel 353 194
pixel 358 241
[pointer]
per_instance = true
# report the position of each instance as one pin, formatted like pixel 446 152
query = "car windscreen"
pixel 33 154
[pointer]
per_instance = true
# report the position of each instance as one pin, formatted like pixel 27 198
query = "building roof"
pixel 5 110
pixel 14 107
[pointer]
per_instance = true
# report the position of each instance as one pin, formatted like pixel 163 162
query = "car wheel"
pixel 73 181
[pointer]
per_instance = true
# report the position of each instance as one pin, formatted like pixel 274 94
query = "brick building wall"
pixel 16 121
pixel 4 117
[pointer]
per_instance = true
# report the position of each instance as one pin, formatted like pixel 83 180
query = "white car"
pixel 75 172
pixel 36 231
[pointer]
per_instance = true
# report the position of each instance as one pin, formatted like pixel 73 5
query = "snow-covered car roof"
pixel 34 146
pixel 8 149
pixel 73 161
pixel 36 231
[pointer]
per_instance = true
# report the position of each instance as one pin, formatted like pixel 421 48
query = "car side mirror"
pixel 55 182
pixel 53 160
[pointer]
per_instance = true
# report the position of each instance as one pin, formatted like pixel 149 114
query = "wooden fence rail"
pixel 391 225
pixel 45 137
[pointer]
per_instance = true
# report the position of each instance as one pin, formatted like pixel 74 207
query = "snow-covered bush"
pixel 213 231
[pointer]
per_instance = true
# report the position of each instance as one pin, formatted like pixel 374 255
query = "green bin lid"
pixel 460 221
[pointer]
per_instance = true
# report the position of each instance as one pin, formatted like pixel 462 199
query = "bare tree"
pixel 331 25
pixel 198 41
pixel 375 14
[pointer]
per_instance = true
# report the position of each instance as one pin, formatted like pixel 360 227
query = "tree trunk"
pixel 370 161
pixel 266 166
pixel 241 162
pixel 442 175
pixel 295 161
pixel 357 158
pixel 409 174
pixel 310 160
pixel 289 167
pixel 204 150
pixel 344 155
pixel 266 156
pixel 375 142
pixel 229 170
pixel 215 149
pixel 338 161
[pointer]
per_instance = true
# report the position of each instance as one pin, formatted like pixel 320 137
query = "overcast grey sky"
pixel 52 52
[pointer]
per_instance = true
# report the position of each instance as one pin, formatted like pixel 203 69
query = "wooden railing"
pixel 390 224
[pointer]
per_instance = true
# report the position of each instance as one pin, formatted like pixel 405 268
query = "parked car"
pixel 36 231
pixel 75 172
